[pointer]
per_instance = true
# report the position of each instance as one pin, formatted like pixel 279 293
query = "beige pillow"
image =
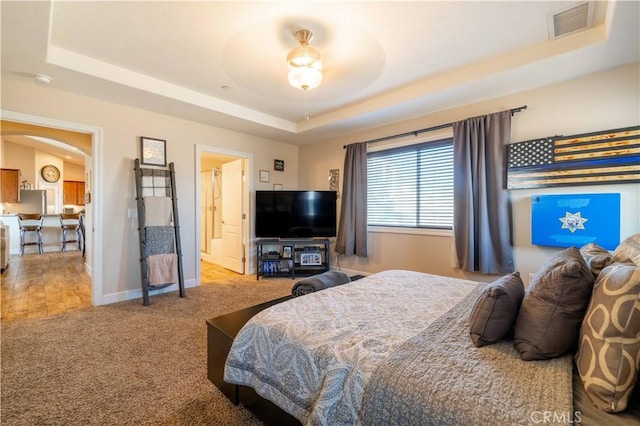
pixel 628 250
pixel 597 257
pixel 609 351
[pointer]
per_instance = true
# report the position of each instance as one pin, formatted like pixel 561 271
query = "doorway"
pixel 87 139
pixel 211 214
pixel 222 210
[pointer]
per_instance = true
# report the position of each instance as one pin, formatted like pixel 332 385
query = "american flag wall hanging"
pixel 606 157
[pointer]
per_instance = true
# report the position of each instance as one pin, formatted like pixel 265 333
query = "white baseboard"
pixel 88 269
pixel 122 296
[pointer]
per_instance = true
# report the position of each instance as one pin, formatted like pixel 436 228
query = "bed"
pixel 394 348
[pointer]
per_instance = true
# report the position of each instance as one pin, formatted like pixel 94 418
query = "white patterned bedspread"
pixel 313 355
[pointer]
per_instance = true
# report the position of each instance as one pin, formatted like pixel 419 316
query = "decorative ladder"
pixel 156 183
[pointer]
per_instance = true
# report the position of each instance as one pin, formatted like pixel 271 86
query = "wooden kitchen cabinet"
pixel 73 192
pixel 9 182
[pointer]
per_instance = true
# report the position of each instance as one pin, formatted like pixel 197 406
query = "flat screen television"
pixel 295 214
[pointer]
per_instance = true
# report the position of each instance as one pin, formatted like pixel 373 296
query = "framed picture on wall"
pixel 287 252
pixel 153 152
pixel 264 175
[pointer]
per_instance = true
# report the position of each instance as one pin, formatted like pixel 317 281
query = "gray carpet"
pixel 125 363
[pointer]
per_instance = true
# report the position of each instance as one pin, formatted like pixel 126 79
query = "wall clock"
pixel 50 173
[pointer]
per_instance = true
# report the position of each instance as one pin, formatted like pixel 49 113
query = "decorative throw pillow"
pixel 496 309
pixel 628 250
pixel 553 307
pixel 597 257
pixel 609 351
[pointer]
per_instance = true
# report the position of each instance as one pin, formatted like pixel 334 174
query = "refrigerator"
pixel 31 201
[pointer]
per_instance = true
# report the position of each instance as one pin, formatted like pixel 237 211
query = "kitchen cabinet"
pixel 73 192
pixel 9 182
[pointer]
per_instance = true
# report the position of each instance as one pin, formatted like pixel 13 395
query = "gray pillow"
pixel 553 307
pixel 597 257
pixel 610 338
pixel 496 309
pixel 319 282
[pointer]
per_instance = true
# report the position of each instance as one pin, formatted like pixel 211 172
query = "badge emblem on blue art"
pixel 573 221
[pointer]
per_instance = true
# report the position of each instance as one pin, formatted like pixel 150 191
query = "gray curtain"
pixel 352 230
pixel 482 213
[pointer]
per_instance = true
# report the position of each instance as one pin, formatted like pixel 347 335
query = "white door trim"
pixel 248 185
pixel 94 249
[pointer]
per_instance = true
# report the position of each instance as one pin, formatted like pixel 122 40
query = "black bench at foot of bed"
pixel 220 334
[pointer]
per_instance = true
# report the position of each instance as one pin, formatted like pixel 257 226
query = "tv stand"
pixel 277 257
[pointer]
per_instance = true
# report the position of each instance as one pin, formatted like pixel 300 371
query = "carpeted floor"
pixel 125 363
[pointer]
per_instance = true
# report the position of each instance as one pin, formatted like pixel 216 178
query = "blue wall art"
pixel 575 220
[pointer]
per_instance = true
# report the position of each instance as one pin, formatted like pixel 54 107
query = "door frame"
pixel 248 208
pixel 94 266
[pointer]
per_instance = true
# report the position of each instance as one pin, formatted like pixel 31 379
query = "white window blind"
pixel 411 186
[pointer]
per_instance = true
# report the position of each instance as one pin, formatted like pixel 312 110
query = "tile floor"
pixel 40 285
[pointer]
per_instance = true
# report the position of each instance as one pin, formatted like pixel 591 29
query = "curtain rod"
pixel 428 129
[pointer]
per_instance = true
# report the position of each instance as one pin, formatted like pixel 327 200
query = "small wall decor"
pixel 264 175
pixel 277 187
pixel 334 179
pixel 606 157
pixel 575 220
pixel 153 152
pixel 278 165
pixel 287 251
pixel 50 173
pixel 310 259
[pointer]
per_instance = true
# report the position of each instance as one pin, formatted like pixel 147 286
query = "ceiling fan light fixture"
pixel 305 63
pixel 303 56
pixel 305 78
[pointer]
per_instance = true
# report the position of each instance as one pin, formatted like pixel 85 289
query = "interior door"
pixel 232 210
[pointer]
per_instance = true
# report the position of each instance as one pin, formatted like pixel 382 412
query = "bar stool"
pixel 30 222
pixel 70 222
pixel 82 232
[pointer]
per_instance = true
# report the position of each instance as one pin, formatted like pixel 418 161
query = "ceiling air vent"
pixel 569 20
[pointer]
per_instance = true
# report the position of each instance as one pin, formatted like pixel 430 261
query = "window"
pixel 411 186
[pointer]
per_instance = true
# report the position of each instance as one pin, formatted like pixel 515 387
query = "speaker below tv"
pixel 296 214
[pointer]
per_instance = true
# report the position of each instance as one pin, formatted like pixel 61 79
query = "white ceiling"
pixel 383 61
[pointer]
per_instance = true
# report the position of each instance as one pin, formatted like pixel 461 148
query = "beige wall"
pixel 121 128
pixel 601 101
pixel 71 171
pixel 82 141
pixel 30 161
pixel 598 102
pixel 23 158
